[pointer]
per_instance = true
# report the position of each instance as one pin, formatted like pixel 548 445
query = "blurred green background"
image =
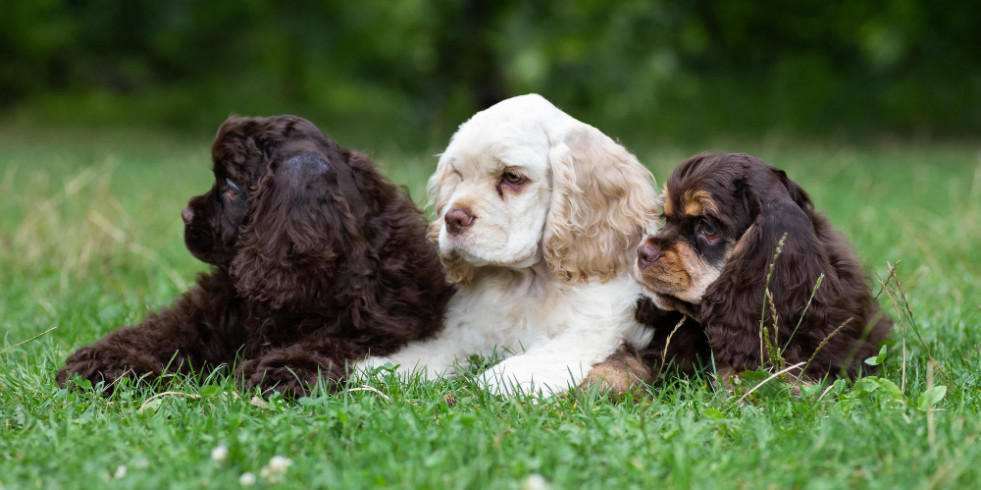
pixel 377 72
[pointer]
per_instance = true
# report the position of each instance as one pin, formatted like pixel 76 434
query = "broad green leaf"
pixel 931 397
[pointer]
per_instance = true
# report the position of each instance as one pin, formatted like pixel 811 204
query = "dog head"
pixel 523 182
pixel 721 209
pixel 287 209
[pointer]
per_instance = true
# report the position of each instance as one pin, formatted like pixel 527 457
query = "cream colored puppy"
pixel 539 218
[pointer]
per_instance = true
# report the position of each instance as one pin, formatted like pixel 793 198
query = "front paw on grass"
pixel 102 377
pixel 269 379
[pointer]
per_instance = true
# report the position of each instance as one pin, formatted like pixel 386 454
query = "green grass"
pixel 90 238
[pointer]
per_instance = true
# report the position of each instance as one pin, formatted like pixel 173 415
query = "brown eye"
pixel 707 231
pixel 233 190
pixel 513 178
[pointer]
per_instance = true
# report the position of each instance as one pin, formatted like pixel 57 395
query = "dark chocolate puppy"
pixel 317 260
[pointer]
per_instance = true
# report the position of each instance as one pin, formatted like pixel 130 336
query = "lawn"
pixel 90 238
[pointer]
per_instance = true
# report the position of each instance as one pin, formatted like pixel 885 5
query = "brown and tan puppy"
pixel 724 218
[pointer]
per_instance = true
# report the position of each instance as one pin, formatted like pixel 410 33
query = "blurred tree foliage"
pixel 414 69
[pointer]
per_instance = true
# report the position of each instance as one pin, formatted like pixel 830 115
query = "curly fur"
pixel 317 259
pixel 556 210
pixel 725 215
pixel 601 207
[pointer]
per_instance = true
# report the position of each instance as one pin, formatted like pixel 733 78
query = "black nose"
pixel 187 215
pixel 457 220
pixel 647 254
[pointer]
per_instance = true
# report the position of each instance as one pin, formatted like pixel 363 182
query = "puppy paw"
pixel 97 365
pixel 94 372
pixel 369 365
pixel 292 379
pixel 621 373
pixel 528 376
pixel 499 382
pixel 723 379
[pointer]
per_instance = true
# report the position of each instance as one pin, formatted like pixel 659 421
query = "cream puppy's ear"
pixel 603 202
pixel 440 188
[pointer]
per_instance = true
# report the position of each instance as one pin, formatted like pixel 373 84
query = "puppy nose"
pixel 457 220
pixel 187 215
pixel 647 254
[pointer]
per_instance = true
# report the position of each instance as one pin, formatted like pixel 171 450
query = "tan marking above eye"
pixel 699 202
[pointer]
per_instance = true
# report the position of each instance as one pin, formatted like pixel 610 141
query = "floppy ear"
pixel 732 307
pixel 781 210
pixel 603 202
pixel 245 142
pixel 286 254
pixel 794 191
pixel 440 188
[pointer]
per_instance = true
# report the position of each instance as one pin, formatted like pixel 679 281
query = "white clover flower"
pixel 274 471
pixel 279 464
pixel 120 472
pixel 247 479
pixel 219 453
pixel 535 481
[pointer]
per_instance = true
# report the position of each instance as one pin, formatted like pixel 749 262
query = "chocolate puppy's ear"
pixel 731 309
pixel 286 255
pixel 794 191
